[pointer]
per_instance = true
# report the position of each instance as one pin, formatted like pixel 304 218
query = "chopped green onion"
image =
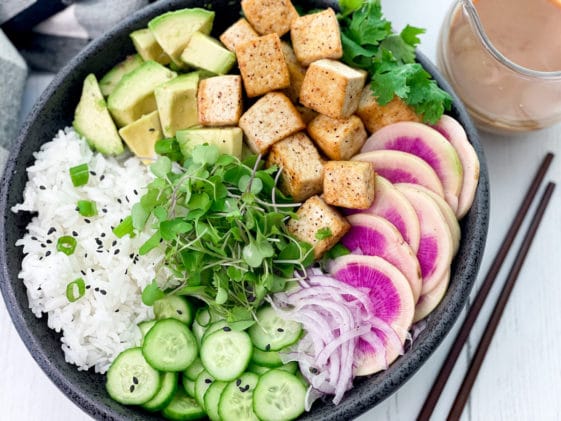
pixel 71 292
pixel 124 228
pixel 66 244
pixel 80 175
pixel 87 208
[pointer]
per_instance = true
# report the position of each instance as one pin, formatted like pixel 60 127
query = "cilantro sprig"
pixel 221 224
pixel 369 43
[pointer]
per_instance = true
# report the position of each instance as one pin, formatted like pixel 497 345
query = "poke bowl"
pixel 55 111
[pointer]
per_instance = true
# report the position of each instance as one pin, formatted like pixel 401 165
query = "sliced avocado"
pixel 228 139
pixel 134 94
pixel 114 76
pixel 147 46
pixel 173 30
pixel 177 103
pixel 142 135
pixel 93 121
pixel 204 52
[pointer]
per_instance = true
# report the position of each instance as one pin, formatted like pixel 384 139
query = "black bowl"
pixel 55 110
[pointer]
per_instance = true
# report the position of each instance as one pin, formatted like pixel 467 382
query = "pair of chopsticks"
pixel 471 375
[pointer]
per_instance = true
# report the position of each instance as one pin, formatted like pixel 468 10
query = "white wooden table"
pixel 521 377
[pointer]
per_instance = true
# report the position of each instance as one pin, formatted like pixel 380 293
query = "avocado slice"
pixel 229 140
pixel 141 136
pixel 93 122
pixel 134 94
pixel 177 103
pixel 147 46
pixel 206 53
pixel 173 30
pixel 114 76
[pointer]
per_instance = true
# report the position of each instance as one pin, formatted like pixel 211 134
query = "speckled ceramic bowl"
pixel 55 111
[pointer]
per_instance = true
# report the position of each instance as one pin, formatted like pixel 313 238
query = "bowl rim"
pixel 387 383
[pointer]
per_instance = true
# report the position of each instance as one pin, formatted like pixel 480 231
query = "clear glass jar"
pixel 501 95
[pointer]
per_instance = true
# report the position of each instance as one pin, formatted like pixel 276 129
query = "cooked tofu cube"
pixel 375 116
pixel 340 140
pixel 319 224
pixel 306 113
pixel 270 16
pixel 349 184
pixel 302 169
pixel 262 65
pixel 269 120
pixel 296 71
pixel 316 36
pixel 219 100
pixel 238 33
pixel 332 88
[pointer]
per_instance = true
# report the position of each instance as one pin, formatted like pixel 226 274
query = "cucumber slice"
pixel 164 395
pixel 193 371
pixel 202 384
pixel 170 346
pixel 203 317
pixel 215 327
pixel 189 386
pixel 182 407
pixel 212 399
pixel 271 333
pixel 279 396
pixel 198 331
pixel 258 369
pixel 290 367
pixel 226 354
pixel 145 327
pixel 174 307
pixel 267 359
pixel 131 380
pixel 236 402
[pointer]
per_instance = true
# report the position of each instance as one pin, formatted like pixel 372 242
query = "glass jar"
pixel 501 95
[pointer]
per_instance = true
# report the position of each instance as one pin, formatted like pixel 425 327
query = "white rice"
pixel 102 323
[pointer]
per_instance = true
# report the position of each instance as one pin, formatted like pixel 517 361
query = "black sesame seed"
pixel 48 253
pixel 85 255
pixel 34 238
pixel 126 271
pixel 88 286
pixel 83 272
pixel 114 243
pixel 98 241
pixel 135 192
pixel 42 188
pixel 116 311
pixel 49 241
pixel 246 388
pixel 102 177
pixel 241 389
pixel 226 329
pixel 280 329
pixel 132 388
pixel 92 270
pixel 93 173
pixel 77 208
pixel 102 292
pixel 39 289
pixel 99 250
pixel 119 201
pixel 102 234
pixel 51 230
pixel 134 379
pixel 179 312
pixel 43 245
pixel 208 381
pixel 131 256
pixel 74 233
pixel 127 199
pixel 116 252
pixel 314 370
pixel 96 289
pixel 87 221
pixel 104 210
pixel 238 382
pixel 268 347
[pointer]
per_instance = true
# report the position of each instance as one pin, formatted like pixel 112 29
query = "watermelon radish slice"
pixel 403 167
pixel 436 246
pixel 428 302
pixel 429 145
pixel 391 205
pixel 374 236
pixel 392 301
pixel 448 213
pixel 455 133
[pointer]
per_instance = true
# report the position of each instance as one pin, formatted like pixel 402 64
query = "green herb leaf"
pixel 323 233
pixel 205 154
pixel 161 167
pixel 152 293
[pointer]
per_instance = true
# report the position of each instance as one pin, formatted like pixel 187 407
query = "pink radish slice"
pixel 392 301
pixel 448 214
pixel 455 133
pixel 436 245
pixel 429 145
pixel 428 302
pixel 403 167
pixel 391 205
pixel 374 236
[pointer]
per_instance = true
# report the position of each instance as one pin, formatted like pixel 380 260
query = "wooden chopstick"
pixel 454 353
pixel 475 365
